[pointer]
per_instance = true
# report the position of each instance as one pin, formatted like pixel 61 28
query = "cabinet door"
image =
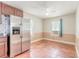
pixel 2 49
pixel 3 46
pixel 0 8
pixel 6 49
pixel 11 10
pixel 8 10
pixel 18 13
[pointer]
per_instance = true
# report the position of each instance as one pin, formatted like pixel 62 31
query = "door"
pixel 57 27
pixel 25 34
pixel 15 36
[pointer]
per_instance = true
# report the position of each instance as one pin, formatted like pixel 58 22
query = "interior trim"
pixel 71 43
pixel 65 42
pixel 77 53
pixel 36 40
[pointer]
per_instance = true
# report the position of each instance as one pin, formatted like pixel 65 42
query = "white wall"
pixel 68 23
pixel 36 24
pixel 77 31
pixel 68 27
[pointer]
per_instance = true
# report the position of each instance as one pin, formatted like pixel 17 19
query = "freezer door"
pixel 15 39
pixel 15 45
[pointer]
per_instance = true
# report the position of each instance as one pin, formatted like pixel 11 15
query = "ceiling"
pixel 45 9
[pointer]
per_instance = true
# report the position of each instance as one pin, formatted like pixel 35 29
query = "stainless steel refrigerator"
pixel 15 36
pixel 19 35
pixel 17 31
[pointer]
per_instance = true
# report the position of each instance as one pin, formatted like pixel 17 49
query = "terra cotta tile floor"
pixel 49 49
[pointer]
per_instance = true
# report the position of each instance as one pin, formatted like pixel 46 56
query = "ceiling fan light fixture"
pixel 47 14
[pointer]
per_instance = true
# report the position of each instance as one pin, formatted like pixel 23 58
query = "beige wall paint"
pixel 68 28
pixel 77 31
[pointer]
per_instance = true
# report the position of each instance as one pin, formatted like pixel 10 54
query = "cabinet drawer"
pixel 2 49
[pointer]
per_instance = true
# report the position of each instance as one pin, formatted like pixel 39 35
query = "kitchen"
pixel 39 29
pixel 12 31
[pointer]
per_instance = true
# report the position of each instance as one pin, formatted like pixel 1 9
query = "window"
pixel 57 27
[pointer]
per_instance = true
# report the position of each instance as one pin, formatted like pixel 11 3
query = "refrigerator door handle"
pixel 21 36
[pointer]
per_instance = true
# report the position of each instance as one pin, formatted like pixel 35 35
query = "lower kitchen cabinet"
pixel 6 49
pixel 3 47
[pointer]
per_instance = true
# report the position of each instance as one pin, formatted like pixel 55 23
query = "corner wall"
pixel 35 26
pixel 77 31
pixel 42 28
pixel 68 28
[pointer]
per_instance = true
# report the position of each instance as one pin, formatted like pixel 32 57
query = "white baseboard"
pixel 71 43
pixel 77 52
pixel 36 40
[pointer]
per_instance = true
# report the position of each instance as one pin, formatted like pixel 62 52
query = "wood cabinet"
pixel 3 46
pixel 2 49
pixel 0 7
pixel 7 10
pixel 15 49
pixel 18 12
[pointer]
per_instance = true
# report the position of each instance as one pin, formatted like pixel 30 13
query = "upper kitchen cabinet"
pixel 0 8
pixel 18 12
pixel 7 10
